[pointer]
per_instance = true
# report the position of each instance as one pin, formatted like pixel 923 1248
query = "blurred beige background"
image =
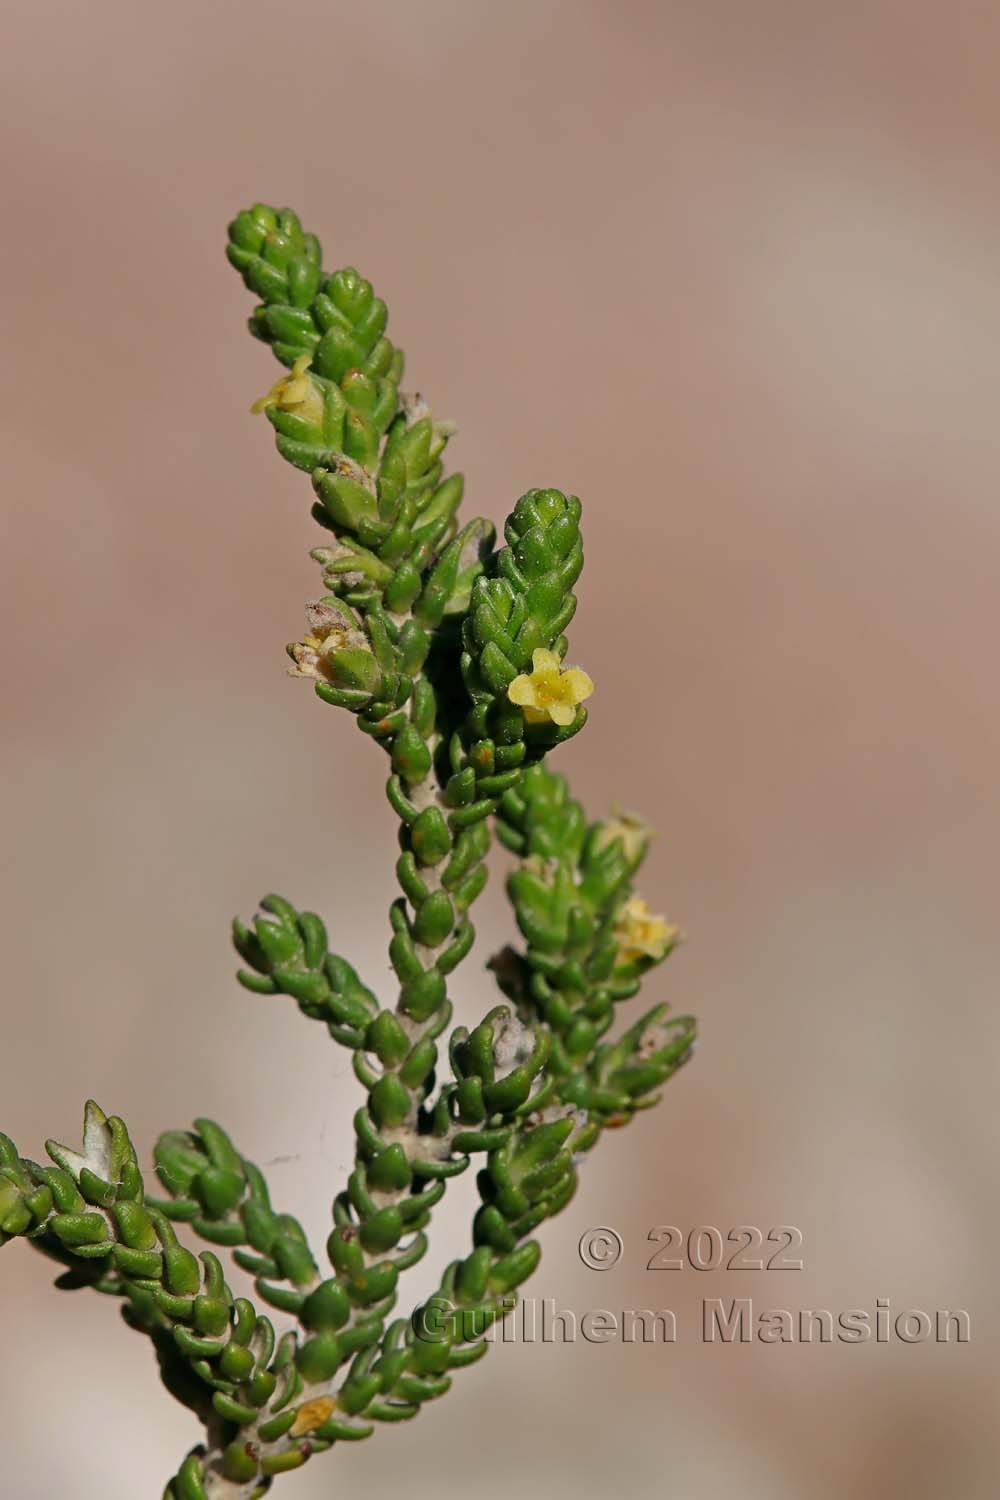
pixel 730 273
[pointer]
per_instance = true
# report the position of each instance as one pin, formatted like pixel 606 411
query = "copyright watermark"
pixel 600 1248
pixel 743 1247
pixel 509 1320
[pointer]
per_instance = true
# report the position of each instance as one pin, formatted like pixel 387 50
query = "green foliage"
pixel 448 653
pixel 570 891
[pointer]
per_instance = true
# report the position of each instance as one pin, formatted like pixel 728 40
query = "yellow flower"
pixel 633 832
pixel 312 1414
pixel 331 631
pixel 294 392
pixel 642 934
pixel 548 692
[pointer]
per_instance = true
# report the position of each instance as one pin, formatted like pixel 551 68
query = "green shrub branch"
pixel 450 653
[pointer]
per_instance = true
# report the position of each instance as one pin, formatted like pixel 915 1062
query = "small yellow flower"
pixel 633 832
pixel 642 934
pixel 331 631
pixel 294 392
pixel 549 692
pixel 312 1414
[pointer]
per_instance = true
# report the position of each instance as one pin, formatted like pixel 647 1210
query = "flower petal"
pixel 522 691
pixel 580 685
pixel 543 660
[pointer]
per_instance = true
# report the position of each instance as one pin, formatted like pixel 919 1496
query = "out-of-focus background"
pixel 730 273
